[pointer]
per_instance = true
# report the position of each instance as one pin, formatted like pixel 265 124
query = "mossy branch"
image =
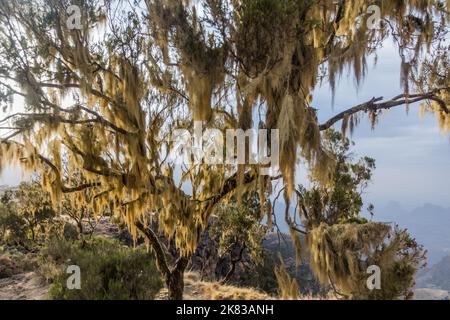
pixel 373 106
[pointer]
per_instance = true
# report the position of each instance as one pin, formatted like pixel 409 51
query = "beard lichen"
pixel 98 103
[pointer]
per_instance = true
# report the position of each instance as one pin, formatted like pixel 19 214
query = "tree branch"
pixel 80 187
pixel 373 106
pixel 157 246
pixel 53 167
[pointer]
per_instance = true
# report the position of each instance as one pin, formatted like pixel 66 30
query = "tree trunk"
pixel 229 273
pixel 173 276
pixel 80 227
pixel 175 279
pixel 175 285
pixel 233 266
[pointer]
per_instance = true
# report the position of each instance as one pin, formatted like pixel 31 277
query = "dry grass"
pixel 216 291
pixel 196 289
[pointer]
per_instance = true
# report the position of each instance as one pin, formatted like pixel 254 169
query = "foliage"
pixel 289 289
pixel 341 255
pixel 142 75
pixel 341 199
pixel 101 100
pixel 13 261
pixel 12 227
pixel 26 215
pixel 34 206
pixel 261 276
pixel 263 263
pixel 342 244
pixel 109 271
pixel 280 254
pixel 237 226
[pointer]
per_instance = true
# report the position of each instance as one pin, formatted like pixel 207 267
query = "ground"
pixel 431 294
pixel 23 286
pixel 195 289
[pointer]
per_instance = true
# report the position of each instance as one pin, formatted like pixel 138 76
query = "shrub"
pixel 26 217
pixel 12 227
pixel 109 271
pixel 13 262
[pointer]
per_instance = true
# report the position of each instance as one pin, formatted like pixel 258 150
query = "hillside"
pixel 437 276
pixel 431 294
pixel 429 224
pixel 434 282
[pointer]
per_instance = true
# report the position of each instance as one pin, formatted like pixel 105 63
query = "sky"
pixel 411 154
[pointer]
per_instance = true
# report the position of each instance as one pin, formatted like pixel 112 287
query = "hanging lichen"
pixel 342 254
pixel 101 101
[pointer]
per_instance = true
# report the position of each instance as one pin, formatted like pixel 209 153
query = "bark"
pixel 80 227
pixel 174 276
pixel 373 105
pixel 175 280
pixel 234 262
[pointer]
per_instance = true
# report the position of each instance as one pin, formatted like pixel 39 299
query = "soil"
pixel 23 286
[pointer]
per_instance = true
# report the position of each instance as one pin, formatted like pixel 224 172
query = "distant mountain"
pixel 435 277
pixel 392 208
pixel 429 224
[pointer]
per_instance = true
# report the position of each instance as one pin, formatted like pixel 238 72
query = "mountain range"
pixel 429 224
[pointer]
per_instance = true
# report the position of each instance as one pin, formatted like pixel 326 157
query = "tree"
pixel 341 244
pixel 341 200
pixel 239 233
pixel 34 207
pixel 12 226
pixel 102 97
pixel 26 213
pixel 78 211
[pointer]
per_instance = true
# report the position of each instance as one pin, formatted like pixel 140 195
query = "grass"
pixel 196 289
